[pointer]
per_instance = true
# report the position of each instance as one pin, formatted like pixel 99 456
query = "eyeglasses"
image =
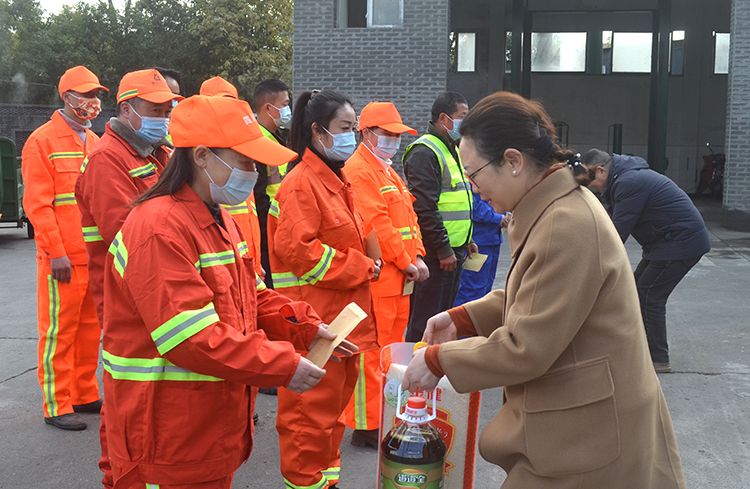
pixel 474 174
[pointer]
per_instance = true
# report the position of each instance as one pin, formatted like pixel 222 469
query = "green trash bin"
pixel 11 190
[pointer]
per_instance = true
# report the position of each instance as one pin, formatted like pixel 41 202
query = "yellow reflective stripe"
pixel 273 210
pixel 206 260
pixel 84 165
pixel 319 485
pixel 319 271
pixel 242 247
pixel 259 284
pixel 50 345
pixel 360 397
pixel 236 209
pixel 142 170
pixel 149 369
pixel 255 209
pixel 152 486
pixel 406 233
pixel 65 199
pixel 287 279
pixel 69 154
pixel 332 474
pixel 118 250
pixel 91 234
pixel 183 326
pixel 388 188
pixel 129 93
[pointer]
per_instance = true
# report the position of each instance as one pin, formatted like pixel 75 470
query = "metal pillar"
pixel 659 100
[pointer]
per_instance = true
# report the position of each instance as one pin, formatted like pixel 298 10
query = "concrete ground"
pixel 708 393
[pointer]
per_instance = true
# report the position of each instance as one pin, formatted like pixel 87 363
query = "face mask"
pixel 386 147
pixel 88 108
pixel 285 116
pixel 343 147
pixel 153 129
pixel 453 133
pixel 238 188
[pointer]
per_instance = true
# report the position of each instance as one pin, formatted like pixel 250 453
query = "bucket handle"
pixel 400 415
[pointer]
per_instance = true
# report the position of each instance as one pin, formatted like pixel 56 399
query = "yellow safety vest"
pixel 275 173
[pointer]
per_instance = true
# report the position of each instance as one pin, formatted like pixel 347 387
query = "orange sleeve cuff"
pixel 432 360
pixel 464 325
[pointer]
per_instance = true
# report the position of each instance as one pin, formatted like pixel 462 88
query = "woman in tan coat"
pixel 583 407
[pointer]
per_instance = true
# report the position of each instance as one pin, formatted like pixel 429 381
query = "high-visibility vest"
pixel 275 173
pixel 455 202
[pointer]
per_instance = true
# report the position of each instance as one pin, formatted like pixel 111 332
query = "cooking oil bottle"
pixel 412 454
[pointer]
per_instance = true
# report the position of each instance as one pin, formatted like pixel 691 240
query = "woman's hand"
pixel 418 377
pixel 378 265
pixel 422 270
pixel 345 348
pixel 440 329
pixel 305 377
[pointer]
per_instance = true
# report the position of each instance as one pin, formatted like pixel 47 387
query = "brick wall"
pixel 736 207
pixel 405 65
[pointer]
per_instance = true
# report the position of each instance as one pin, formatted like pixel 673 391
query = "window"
pixel 369 13
pixel 462 53
pixel 558 51
pixel 631 52
pixel 508 50
pixel 677 52
pixel 721 53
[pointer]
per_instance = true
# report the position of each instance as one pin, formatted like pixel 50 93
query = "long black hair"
pixel 314 106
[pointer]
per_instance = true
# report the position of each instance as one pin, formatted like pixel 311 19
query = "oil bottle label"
pixel 399 476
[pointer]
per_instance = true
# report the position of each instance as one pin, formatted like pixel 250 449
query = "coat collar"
pixel 197 207
pixel 326 175
pixel 63 129
pixel 535 202
pixel 369 158
pixel 137 145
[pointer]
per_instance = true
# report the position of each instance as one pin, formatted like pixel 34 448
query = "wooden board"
pixel 345 322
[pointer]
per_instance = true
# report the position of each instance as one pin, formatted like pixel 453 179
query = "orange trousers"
pixel 224 483
pixel 311 427
pixel 391 317
pixel 68 349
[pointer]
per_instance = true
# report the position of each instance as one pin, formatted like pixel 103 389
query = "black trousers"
pixel 434 295
pixel 656 279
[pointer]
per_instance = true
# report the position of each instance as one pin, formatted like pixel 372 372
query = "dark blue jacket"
pixel 487 229
pixel 651 207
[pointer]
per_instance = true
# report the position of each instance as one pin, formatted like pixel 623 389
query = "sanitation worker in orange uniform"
pixel 187 336
pixel 318 255
pixel 245 213
pixel 386 206
pixel 125 163
pixel 68 330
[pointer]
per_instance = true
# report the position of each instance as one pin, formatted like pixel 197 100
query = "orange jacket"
pixel 185 335
pixel 52 157
pixel 386 207
pixel 113 175
pixel 316 245
pixel 246 216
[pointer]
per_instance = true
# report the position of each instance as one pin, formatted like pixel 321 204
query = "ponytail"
pixel 316 106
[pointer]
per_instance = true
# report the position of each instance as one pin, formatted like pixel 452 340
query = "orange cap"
pixel 384 115
pixel 79 79
pixel 148 85
pixel 224 122
pixel 219 87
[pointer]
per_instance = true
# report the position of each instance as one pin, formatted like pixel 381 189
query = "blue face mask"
pixel 285 116
pixel 343 147
pixel 153 129
pixel 453 133
pixel 238 188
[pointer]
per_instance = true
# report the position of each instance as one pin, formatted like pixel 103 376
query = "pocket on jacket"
pixel 66 174
pixel 571 419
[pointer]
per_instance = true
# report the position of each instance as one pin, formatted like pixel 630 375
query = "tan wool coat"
pixel 583 407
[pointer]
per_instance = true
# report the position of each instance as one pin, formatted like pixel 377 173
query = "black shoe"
pixel 365 438
pixel 255 418
pixel 91 407
pixel 68 421
pixel 662 367
pixel 273 391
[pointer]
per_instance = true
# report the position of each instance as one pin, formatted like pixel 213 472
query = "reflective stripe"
pixel 152 486
pixel 406 233
pixel 236 209
pixel 149 369
pixel 129 93
pixel 91 234
pixel 273 209
pixel 118 250
pixel 319 271
pixel 287 279
pixel 183 326
pixel 319 485
pixel 84 165
pixel 242 247
pixel 65 199
pixel 388 188
pixel 206 260
pixel 255 209
pixel 259 284
pixel 455 215
pixel 70 154
pixel 50 345
pixel 332 474
pixel 142 171
pixel 360 397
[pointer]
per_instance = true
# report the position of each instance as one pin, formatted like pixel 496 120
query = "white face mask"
pixel 387 146
pixel 285 116
pixel 238 188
